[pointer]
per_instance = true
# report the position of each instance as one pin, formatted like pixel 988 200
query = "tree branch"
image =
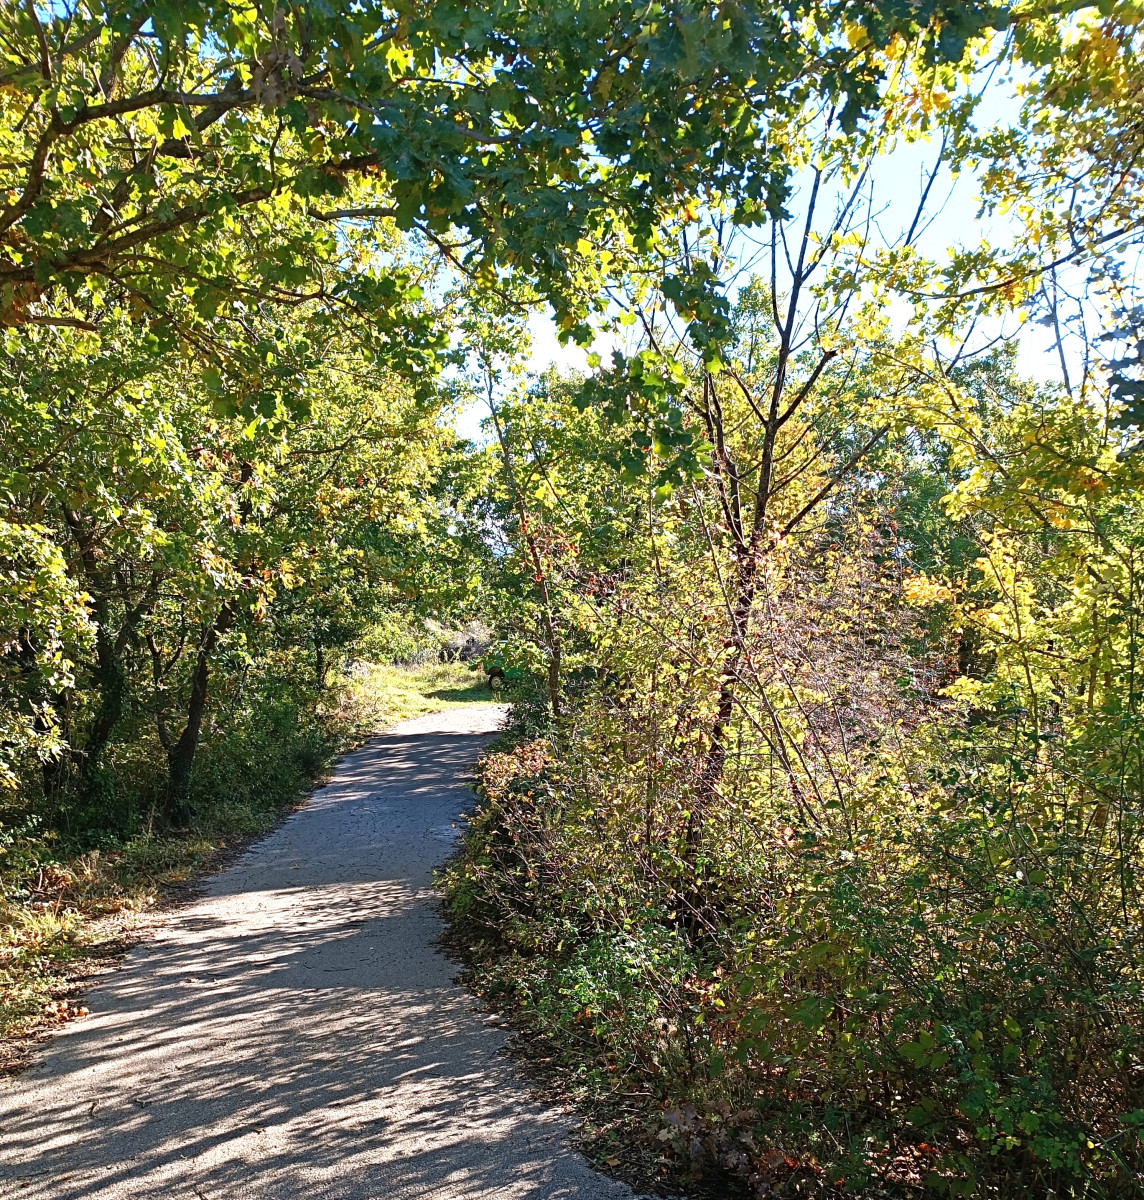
pixel 833 482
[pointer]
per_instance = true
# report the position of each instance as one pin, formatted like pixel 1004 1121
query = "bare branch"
pixel 833 482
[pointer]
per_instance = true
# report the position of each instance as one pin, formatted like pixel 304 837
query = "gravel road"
pixel 293 1034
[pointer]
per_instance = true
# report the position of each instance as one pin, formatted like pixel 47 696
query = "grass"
pixel 62 916
pixel 60 921
pixel 377 694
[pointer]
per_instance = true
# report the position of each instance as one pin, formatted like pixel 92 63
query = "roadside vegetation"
pixel 888 938
pixel 813 855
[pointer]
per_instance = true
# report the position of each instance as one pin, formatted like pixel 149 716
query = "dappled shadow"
pixel 294 1034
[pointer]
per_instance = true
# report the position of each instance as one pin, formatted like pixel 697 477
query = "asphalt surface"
pixel 294 1034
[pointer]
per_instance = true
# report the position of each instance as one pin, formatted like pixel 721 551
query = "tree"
pixel 185 506
pixel 43 625
pixel 132 133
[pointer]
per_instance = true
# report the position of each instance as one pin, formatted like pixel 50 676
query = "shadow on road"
pixel 294 1034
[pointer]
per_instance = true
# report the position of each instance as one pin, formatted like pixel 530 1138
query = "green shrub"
pixel 944 993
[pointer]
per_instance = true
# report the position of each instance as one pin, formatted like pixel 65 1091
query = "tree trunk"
pixel 321 666
pixel 111 680
pixel 551 633
pixel 554 658
pixel 750 553
pixel 109 675
pixel 181 755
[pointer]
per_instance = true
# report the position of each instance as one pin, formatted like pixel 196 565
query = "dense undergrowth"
pixel 870 1016
pixel 817 860
pixel 75 885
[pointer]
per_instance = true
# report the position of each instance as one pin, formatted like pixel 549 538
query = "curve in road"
pixel 294 1034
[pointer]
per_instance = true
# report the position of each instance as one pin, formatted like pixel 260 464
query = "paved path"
pixel 294 1035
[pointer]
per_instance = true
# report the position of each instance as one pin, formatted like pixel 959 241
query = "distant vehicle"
pixel 499 674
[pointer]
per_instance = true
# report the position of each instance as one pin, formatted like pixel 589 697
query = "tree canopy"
pixel 134 133
pixel 814 844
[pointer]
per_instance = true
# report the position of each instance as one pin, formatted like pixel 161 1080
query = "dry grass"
pixel 62 922
pixel 378 695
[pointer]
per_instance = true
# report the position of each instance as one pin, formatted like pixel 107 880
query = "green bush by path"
pixel 831 885
pixel 874 1019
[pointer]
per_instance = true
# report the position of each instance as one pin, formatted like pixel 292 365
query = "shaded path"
pixel 293 1035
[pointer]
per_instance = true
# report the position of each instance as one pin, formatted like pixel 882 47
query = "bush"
pixel 944 993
